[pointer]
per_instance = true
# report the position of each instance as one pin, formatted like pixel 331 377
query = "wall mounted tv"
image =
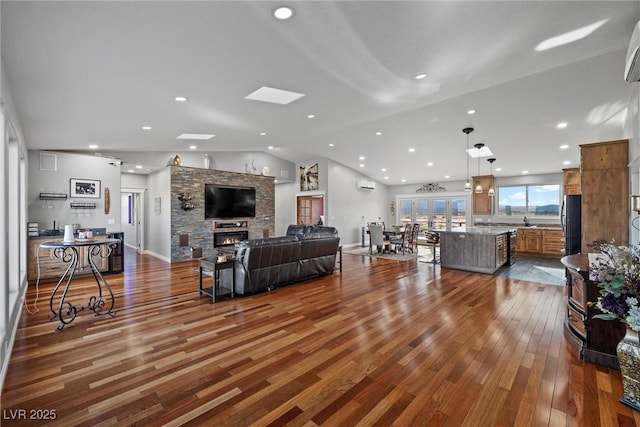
pixel 226 201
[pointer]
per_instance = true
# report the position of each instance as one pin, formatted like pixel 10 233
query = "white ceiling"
pixel 95 72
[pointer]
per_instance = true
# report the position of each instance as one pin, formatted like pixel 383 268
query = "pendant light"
pixel 467 184
pixel 478 187
pixel 492 191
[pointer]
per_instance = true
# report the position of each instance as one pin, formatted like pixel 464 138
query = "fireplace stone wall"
pixel 189 229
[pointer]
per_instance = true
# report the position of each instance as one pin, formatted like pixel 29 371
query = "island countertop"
pixel 489 231
pixel 479 249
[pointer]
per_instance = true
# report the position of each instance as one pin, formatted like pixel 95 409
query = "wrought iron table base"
pixel 101 304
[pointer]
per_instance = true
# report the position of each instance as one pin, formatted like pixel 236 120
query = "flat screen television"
pixel 226 201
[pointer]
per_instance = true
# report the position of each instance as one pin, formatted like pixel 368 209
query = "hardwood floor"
pixel 382 343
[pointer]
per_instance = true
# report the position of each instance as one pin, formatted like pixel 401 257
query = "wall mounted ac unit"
pixel 632 64
pixel 366 185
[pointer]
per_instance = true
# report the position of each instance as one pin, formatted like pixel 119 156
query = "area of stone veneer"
pixel 192 223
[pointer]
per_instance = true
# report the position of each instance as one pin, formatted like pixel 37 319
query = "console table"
pixel 72 253
pixel 595 339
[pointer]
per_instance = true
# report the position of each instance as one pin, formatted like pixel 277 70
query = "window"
pixel 529 200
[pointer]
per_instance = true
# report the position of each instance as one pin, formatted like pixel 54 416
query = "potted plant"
pixel 617 271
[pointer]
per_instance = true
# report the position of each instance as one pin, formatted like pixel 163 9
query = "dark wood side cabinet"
pixel 595 339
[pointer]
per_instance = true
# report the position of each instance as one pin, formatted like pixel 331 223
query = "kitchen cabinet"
pixel 605 192
pixel 572 181
pixel 479 251
pixel 52 268
pixel 553 242
pixel 529 241
pixel 482 203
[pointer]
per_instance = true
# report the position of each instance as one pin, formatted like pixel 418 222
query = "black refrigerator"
pixel 571 218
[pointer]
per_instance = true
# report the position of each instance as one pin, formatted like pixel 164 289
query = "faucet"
pixel 526 222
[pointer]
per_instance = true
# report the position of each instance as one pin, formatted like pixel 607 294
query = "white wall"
pixel 44 212
pixel 285 206
pixel 350 208
pixel 158 225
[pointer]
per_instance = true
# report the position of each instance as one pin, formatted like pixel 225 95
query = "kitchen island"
pixel 478 249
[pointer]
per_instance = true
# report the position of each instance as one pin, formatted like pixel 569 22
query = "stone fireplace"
pixel 229 238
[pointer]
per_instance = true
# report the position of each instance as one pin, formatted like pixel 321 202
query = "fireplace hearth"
pixel 229 238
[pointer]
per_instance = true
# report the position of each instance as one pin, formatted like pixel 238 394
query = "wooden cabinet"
pixel 605 192
pixel 529 241
pixel 595 339
pixel 553 242
pixel 482 203
pixel 52 268
pixel 540 241
pixel 572 181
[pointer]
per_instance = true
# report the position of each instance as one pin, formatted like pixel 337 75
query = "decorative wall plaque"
pixel 430 188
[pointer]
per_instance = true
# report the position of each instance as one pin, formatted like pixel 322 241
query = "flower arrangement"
pixel 617 270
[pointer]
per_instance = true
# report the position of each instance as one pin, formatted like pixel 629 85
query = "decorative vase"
pixel 628 350
pixel 176 161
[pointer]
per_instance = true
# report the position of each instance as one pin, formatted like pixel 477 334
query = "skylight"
pixel 274 96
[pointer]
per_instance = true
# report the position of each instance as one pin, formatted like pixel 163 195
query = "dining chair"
pixel 414 237
pixel 402 241
pixel 433 241
pixel 376 238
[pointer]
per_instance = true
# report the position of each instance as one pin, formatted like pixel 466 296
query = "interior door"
pixel 310 209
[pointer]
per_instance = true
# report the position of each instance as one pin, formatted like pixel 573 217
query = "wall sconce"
pixel 635 206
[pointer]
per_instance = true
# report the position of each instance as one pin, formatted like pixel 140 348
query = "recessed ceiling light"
pixel 93 146
pixel 386 177
pixel 561 125
pixel 472 111
pixel 193 147
pixel 131 171
pixel 412 150
pixel 403 180
pixel 270 147
pixel 273 95
pixel 361 165
pixel 498 169
pixel 447 176
pixel 361 158
pixel 564 146
pixel 310 116
pixel 138 166
pixel 201 136
pixel 146 127
pixel 420 76
pixel 383 169
pixel 263 133
pixel 331 145
pixel 430 164
pixel 566 162
pixel 282 13
pixel 525 172
pixel 378 133
pixel 180 98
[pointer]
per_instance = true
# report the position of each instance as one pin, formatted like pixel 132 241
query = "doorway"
pixel 434 213
pixel 132 218
pixel 310 210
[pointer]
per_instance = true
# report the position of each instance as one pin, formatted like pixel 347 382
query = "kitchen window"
pixel 534 201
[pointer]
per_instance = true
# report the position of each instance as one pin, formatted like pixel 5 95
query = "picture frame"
pixel 85 188
pixel 309 178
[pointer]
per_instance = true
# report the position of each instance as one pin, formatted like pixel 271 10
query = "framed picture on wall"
pixel 309 177
pixel 85 188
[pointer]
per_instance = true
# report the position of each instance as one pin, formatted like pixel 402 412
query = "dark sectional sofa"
pixel 265 264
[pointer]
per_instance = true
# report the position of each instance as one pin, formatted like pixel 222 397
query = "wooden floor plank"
pixel 383 342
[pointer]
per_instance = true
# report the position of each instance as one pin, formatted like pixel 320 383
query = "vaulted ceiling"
pixel 96 72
